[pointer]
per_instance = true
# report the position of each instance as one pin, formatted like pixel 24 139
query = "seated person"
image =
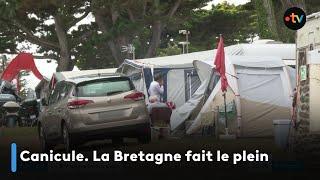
pixel 154 102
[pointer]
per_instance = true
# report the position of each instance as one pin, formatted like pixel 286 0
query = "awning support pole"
pixel 225 112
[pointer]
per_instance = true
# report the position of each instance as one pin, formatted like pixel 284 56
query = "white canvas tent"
pixel 181 80
pixel 259 88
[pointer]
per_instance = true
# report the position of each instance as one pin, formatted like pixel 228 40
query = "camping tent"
pixel 181 79
pixel 259 92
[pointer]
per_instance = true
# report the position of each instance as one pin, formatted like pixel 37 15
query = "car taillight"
pixel 78 103
pixel 136 96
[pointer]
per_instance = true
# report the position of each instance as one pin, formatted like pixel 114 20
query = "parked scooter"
pixel 11 114
pixel 29 112
pixel 4 98
pixel 9 100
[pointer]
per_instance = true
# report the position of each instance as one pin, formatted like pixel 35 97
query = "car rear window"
pixel 104 87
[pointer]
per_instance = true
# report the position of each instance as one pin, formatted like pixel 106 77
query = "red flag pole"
pixel 225 104
pixel 225 111
pixel 220 67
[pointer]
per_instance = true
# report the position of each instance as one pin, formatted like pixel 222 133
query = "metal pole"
pixel 216 121
pixel 190 87
pixel 225 112
pixel 182 48
pixel 187 39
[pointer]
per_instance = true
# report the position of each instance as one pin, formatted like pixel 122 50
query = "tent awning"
pixel 253 61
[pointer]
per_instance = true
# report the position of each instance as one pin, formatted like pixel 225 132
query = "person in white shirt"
pixel 156 87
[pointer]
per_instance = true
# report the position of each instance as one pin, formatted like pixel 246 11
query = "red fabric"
pixel 23 61
pixel 171 105
pixel 219 62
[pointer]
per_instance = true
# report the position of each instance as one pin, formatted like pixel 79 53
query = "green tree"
pixel 23 91
pixel 26 21
pixel 235 23
pixel 270 17
pixel 170 50
pixel 141 22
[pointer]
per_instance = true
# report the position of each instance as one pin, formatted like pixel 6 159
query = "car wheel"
pixel 45 145
pixel 67 141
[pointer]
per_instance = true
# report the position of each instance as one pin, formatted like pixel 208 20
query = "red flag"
pixel 23 61
pixel 219 62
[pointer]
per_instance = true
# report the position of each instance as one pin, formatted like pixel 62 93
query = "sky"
pixel 235 2
pixel 47 69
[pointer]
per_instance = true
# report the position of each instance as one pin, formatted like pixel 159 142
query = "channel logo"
pixel 294 18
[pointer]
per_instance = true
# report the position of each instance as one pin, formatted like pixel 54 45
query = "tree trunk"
pixel 292 3
pixel 64 63
pixel 155 40
pixel 156 31
pixel 271 19
pixel 158 26
pixel 113 48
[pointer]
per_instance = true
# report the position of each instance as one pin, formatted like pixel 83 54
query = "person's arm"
pixel 160 89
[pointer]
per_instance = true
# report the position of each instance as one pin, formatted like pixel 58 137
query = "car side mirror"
pixel 44 102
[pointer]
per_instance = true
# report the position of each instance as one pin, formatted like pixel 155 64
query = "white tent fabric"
pixel 292 74
pixel 283 51
pixel 180 114
pixel 261 88
pixel 176 61
pixel 204 71
pixel 196 125
pixel 260 85
pixel 177 95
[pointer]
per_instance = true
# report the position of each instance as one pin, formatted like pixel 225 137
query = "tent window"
pixel 192 82
pixel 136 76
